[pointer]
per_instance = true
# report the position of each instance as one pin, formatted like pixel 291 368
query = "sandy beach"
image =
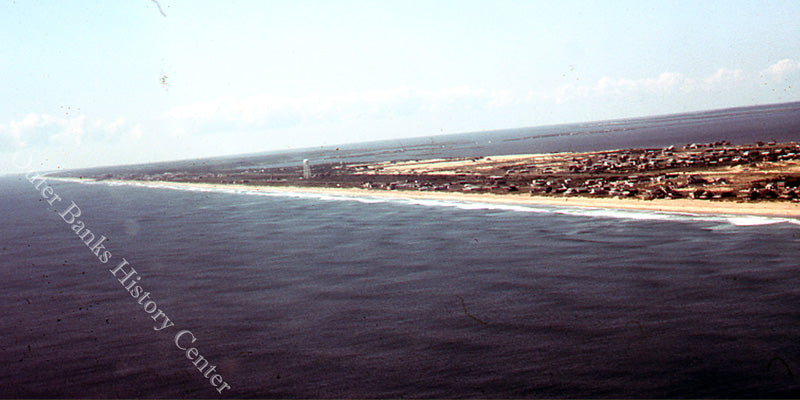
pixel 686 206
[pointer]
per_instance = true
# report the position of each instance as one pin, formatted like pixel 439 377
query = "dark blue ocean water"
pixel 292 295
pixel 328 297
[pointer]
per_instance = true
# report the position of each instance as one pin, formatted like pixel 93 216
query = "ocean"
pixel 293 295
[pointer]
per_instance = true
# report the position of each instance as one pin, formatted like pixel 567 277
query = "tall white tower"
pixel 306 169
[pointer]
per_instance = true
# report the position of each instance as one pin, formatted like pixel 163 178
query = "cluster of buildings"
pixel 407 185
pixel 665 186
pixel 476 185
pixel 672 186
pixel 692 155
pixel 634 173
pixel 665 173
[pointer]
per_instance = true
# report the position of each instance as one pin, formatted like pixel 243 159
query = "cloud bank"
pixel 266 121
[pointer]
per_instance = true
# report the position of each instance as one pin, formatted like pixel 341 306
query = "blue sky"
pixel 89 83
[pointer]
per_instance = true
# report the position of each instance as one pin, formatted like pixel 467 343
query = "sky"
pixel 92 83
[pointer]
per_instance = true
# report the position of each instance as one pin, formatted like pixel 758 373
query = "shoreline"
pixel 678 206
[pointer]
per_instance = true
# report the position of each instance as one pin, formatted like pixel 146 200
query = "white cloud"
pixel 109 126
pixel 268 110
pixel 782 69
pixel 44 130
pixel 134 133
pixel 723 76
pixel 502 98
pixel 667 81
pixel 40 129
pixel 69 132
pixel 664 83
pixel 264 112
pixel 57 142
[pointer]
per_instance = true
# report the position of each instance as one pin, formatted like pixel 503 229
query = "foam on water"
pixel 621 214
pixel 756 220
pixel 470 205
pixel 639 215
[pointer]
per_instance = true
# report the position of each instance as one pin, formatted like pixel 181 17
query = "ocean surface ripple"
pixel 299 295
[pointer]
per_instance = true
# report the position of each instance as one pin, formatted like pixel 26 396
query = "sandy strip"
pixel 685 206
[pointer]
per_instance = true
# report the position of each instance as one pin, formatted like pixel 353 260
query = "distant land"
pixel 741 125
pixel 766 172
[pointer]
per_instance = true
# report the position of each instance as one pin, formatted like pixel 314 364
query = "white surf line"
pixel 470 205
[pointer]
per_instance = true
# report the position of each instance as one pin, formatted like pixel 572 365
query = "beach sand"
pixel 686 206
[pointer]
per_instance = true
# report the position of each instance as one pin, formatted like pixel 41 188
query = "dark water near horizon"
pixel 330 297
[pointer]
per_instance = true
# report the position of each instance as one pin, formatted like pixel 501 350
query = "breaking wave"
pixel 606 213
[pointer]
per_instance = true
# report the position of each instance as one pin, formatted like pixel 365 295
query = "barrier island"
pixel 757 178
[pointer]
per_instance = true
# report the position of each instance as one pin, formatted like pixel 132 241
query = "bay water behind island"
pixel 315 295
